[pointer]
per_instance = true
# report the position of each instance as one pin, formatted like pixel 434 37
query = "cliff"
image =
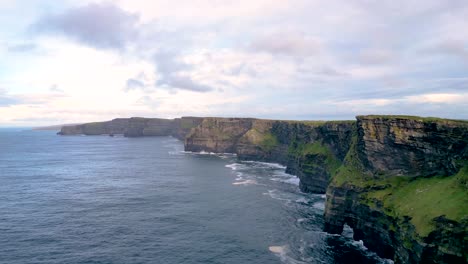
pixel 311 150
pixel 403 188
pixel 400 182
pixel 135 127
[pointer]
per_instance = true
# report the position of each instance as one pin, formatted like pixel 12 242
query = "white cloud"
pixel 439 98
pixel 285 59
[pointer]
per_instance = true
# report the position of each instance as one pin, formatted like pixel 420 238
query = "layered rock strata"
pixel 310 150
pixel 400 182
pixel 403 188
pixel 136 127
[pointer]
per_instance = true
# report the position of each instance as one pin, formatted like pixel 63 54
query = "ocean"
pixel 101 199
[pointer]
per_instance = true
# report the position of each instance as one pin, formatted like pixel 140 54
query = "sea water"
pixel 101 199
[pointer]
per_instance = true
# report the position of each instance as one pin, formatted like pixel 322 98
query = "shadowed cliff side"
pixel 403 189
pixel 136 127
pixel 312 150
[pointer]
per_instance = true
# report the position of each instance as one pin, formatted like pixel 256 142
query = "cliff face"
pixel 403 189
pixel 409 146
pixel 136 127
pixel 219 135
pixel 400 182
pixel 310 150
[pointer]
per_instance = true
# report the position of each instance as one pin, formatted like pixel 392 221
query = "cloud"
pixel 23 47
pixel 101 25
pixel 105 25
pixel 376 56
pixel 286 43
pixel 440 98
pixel 7 100
pixel 455 48
pixel 133 84
pixel 293 59
pixel 174 73
pixel 55 89
pixel 184 83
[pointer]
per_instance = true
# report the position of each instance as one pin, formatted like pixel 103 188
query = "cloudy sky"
pixel 75 61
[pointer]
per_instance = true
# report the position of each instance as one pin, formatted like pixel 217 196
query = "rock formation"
pixel 400 182
pixel 136 127
pixel 403 188
pixel 310 150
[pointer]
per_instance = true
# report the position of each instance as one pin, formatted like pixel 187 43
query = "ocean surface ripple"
pixel 100 199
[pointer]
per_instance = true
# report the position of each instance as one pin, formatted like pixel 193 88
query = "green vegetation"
pixel 352 171
pixel 308 152
pixel 268 142
pixel 421 199
pixel 94 128
pixel 418 118
pixel 316 123
pixel 424 199
pixel 186 124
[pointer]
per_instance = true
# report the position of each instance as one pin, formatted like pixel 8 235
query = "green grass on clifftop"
pixel 417 118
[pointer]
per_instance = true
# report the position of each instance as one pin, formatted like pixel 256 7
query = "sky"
pixel 81 61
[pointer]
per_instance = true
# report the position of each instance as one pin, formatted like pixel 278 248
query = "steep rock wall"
pixel 411 146
pixel 310 150
pixel 136 127
pixel 403 189
pixel 400 182
pixel 219 135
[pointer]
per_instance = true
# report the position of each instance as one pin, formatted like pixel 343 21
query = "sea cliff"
pixel 312 150
pixel 401 182
pixel 403 188
pixel 135 127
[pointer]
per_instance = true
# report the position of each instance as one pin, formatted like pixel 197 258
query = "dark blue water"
pixel 79 199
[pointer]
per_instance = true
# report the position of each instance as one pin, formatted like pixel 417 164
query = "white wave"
pixel 274 195
pixel 300 220
pixel 282 252
pixel 359 244
pixel 348 233
pixel 232 166
pixel 319 205
pixel 266 164
pixel 239 176
pixel 246 182
pixel 220 155
pixel 277 249
pixel 282 173
pixel 292 180
pixel 302 200
pixel 171 139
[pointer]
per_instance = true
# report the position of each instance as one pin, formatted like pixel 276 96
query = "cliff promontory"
pixel 136 127
pixel 403 188
pixel 400 182
pixel 312 150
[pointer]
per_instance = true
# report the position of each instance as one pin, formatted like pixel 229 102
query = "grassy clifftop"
pixel 417 118
pixel 424 199
pixel 403 188
pixel 420 199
